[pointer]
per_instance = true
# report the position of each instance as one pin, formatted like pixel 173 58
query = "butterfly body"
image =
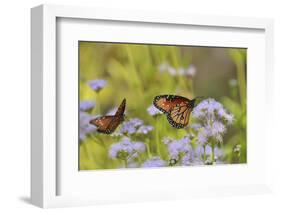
pixel 176 108
pixel 107 124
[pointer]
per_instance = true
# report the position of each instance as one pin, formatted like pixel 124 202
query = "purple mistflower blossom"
pixel 166 67
pixel 126 149
pixel 199 152
pixel 163 67
pixel 212 110
pixel 203 136
pixel 195 126
pixel 131 126
pixel 213 118
pixel 97 84
pixel 191 159
pixel 135 126
pixel 152 110
pixel 172 71
pixel 179 147
pixel 85 127
pixel 189 71
pixel 144 129
pixel 167 140
pixel 86 105
pixel 216 130
pixel 154 162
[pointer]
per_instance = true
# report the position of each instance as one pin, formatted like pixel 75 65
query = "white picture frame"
pixel 46 177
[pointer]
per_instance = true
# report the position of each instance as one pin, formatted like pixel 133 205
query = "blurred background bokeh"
pixel 139 72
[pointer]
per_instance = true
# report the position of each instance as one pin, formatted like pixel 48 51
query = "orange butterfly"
pixel 176 108
pixel 108 123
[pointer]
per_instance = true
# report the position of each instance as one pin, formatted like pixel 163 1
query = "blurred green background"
pixel 135 72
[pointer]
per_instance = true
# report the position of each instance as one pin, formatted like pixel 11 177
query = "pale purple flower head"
pixel 126 149
pixel 189 71
pixel 213 118
pixel 97 84
pixel 191 159
pixel 178 147
pixel 215 130
pixel 203 136
pixel 131 126
pixel 86 105
pixel 154 162
pixel 139 146
pixel 172 71
pixel 181 71
pixel 144 129
pixel 152 110
pixel 85 127
pixel 167 140
pixel 135 126
pixel 210 109
pixel 163 67
pixel 195 126
pixel 208 151
pixel 218 128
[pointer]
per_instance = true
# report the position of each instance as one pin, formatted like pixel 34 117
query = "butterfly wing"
pixel 165 103
pixel 114 124
pixel 121 109
pixel 118 118
pixel 102 123
pixel 179 116
pixel 107 124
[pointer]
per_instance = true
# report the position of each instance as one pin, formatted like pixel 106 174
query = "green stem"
pixel 213 152
pixel 204 156
pixel 98 105
pixel 239 61
pixel 148 148
pixel 191 87
pixel 135 78
pixel 157 136
pixel 86 150
pixel 126 163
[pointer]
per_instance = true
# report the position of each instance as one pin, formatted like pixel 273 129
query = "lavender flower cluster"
pixel 213 120
pixel 126 149
pixel 97 84
pixel 134 126
pixel 188 71
pixel 182 152
pixel 85 127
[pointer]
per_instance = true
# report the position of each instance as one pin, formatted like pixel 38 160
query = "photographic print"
pixel 154 105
